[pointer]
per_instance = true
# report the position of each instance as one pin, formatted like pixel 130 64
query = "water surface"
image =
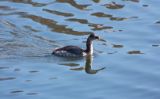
pixel 125 67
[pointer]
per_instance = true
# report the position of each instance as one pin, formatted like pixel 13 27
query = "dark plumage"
pixel 70 49
pixel 75 51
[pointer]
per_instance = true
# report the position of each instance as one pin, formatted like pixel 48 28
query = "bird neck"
pixel 89 46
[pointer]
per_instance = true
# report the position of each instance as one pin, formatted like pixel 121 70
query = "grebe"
pixel 75 51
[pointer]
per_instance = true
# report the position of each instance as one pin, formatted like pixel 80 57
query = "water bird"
pixel 75 51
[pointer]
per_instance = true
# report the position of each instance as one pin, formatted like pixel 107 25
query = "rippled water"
pixel 125 67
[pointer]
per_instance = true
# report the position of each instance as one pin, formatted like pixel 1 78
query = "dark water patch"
pixel 6 8
pixel 135 52
pixel 17 69
pixel 69 64
pixel 7 78
pixel 120 30
pixel 96 1
pixel 32 93
pixel 16 91
pixel 12 13
pixel 28 80
pixel 133 0
pixel 82 21
pixel 158 22
pixel 114 5
pixel 111 17
pixel 51 78
pixel 117 46
pixel 74 4
pixel 118 19
pixel 155 45
pixel 21 91
pixel 31 2
pixel 65 14
pixel 112 52
pixel 92 25
pixel 54 25
pixel 99 51
pixel 1 67
pixel 133 17
pixel 99 27
pixel 77 69
pixel 33 71
pixel 101 14
pixel 145 5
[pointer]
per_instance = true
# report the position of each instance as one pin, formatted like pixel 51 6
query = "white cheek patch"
pixel 91 49
pixel 84 54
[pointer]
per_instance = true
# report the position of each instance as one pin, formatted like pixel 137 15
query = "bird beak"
pixel 100 39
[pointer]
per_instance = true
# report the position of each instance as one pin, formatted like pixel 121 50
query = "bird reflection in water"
pixel 88 66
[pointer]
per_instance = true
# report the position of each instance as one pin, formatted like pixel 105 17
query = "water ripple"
pixel 7 78
pixel 125 66
pixel 111 17
pixel 113 5
pixel 74 4
pixel 35 4
pixel 59 13
pixel 54 25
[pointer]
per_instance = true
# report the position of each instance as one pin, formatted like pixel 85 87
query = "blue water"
pixel 126 66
